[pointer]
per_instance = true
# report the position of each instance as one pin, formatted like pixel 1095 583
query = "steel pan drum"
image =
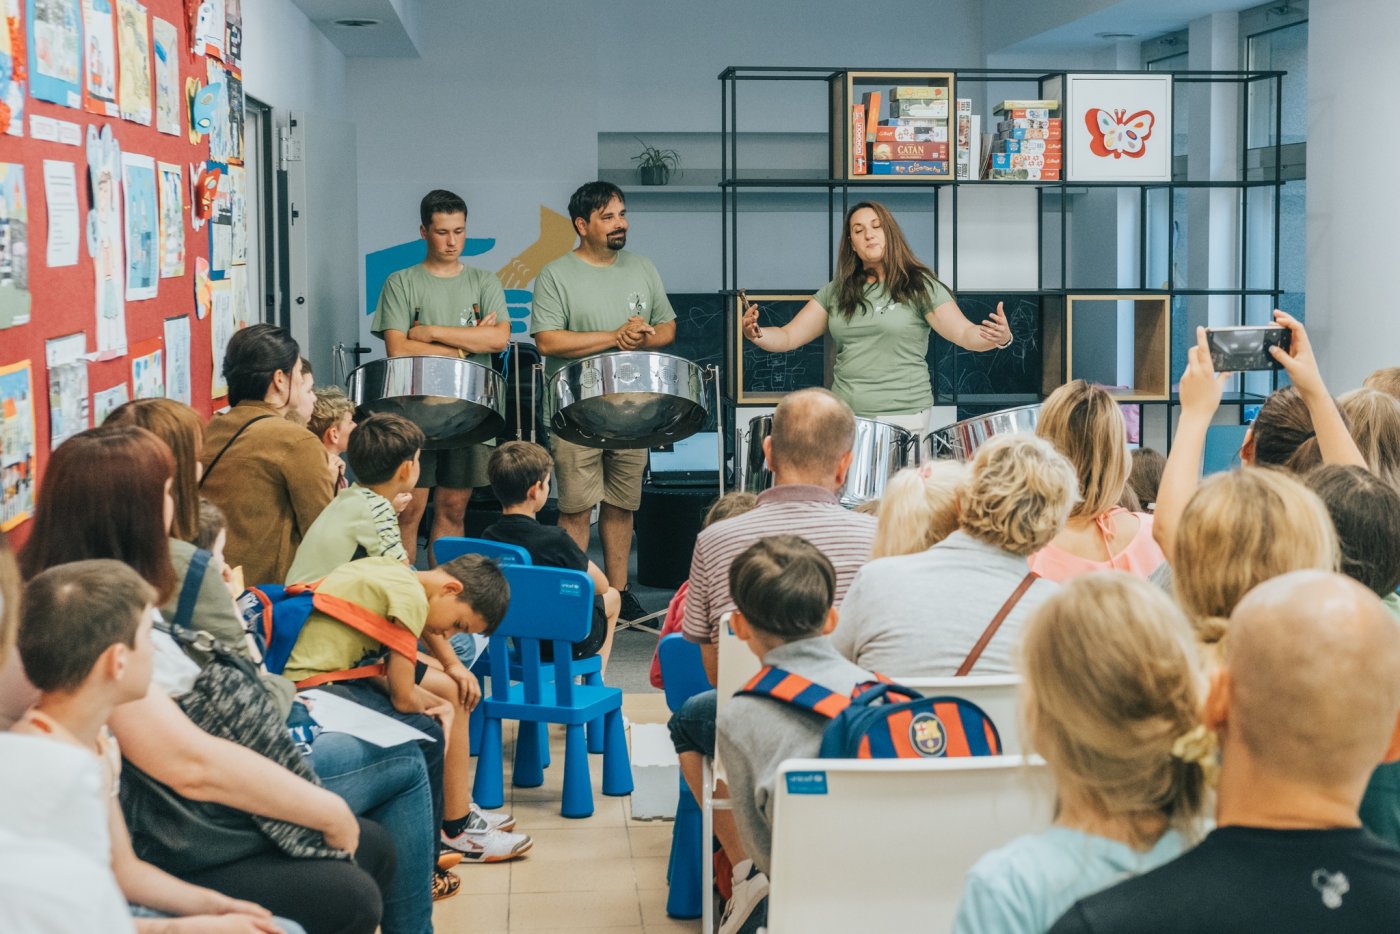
pixel 633 399
pixel 880 449
pixel 454 401
pixel 960 440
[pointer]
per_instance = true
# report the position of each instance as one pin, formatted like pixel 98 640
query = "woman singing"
pixel 879 310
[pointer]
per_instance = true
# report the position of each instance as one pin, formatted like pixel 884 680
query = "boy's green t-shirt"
pixel 382 585
pixel 358 523
pixel 438 300
pixel 881 351
pixel 571 295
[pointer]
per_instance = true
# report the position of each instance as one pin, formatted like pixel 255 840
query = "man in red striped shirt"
pixel 809 452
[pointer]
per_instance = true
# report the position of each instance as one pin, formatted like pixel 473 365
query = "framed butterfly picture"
pixel 1118 128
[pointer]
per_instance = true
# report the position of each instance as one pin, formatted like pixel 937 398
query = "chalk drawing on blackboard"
pixel 763 377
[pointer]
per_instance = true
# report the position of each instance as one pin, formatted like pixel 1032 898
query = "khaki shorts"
pixel 457 469
pixel 588 476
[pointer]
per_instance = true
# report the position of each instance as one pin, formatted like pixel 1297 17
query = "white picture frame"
pixel 1105 115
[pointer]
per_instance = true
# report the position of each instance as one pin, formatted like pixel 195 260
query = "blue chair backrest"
pixel 452 546
pixel 546 604
pixel 682 670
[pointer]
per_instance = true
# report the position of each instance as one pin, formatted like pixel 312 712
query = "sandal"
pixel 445 884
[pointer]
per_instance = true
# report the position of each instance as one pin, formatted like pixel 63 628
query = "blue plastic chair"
pixel 683 676
pixel 454 546
pixel 554 605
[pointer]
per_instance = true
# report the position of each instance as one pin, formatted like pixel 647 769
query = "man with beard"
pixel 600 298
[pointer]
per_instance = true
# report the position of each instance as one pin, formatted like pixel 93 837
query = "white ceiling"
pixel 394 36
pixel 1082 20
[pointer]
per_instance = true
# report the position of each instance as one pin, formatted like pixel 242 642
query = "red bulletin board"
pixel 63 299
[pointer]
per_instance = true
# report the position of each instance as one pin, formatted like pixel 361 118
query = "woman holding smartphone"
pixel 880 309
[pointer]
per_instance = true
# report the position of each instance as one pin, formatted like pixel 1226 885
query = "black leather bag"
pixel 184 836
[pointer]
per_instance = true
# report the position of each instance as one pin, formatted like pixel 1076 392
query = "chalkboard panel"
pixel 700 333
pixel 763 377
pixel 1013 372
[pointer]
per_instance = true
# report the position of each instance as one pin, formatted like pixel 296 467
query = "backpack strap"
pixel 189 590
pixel 228 444
pixel 395 638
pixel 996 622
pixel 795 690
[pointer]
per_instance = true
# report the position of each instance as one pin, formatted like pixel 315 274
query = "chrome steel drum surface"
pixel 960 440
pixel 633 399
pixel 880 450
pixel 454 401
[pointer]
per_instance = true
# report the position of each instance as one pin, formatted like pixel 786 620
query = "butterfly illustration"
pixel 1113 134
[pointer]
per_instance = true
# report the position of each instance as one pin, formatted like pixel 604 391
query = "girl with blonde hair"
pixel 1374 419
pixel 1111 700
pixel 919 508
pixel 1085 424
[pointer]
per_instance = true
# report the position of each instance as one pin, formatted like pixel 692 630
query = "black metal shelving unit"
pixel 737 183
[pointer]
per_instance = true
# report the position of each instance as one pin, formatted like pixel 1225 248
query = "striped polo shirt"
pixel 845 537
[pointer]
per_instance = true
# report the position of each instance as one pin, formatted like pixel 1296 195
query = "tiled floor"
pixel 603 874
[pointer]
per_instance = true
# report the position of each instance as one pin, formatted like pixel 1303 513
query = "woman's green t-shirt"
pixel 881 350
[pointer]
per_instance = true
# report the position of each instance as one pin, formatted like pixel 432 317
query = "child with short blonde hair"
pixel 1111 700
pixel 919 508
pixel 333 421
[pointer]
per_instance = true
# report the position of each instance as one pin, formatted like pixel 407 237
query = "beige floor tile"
pixel 653 905
pixel 651 872
pixel 545 910
pixel 579 844
pixel 532 813
pixel 649 839
pixel 472 914
pixel 624 930
pixel 645 708
pixel 484 879
pixel 594 875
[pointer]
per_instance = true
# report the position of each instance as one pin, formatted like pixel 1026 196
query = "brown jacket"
pixel 271 483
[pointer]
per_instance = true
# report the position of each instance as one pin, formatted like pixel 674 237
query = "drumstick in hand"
pixel 748 319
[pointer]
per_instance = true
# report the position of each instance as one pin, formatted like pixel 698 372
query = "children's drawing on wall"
pixel 202 296
pixel 17 444
pixel 177 359
pixel 14 247
pixel 221 328
pixel 142 217
pixel 55 35
pixel 68 386
pixel 134 62
pixel 147 370
pixel 221 228
pixel 99 57
pixel 238 215
pixel 105 400
pixel 234 91
pixel 207 29
pixel 233 33
pixel 240 300
pixel 171 182
pixel 104 236
pixel 165 43
pixel 220 145
pixel 12 69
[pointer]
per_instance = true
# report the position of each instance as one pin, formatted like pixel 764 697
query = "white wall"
pixel 1351 209
pixel 287 63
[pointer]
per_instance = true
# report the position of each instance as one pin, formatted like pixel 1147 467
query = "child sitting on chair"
pixel 85 639
pixel 1112 701
pixel 333 421
pixel 783 590
pixel 362 521
pixel 466 595
pixel 519 473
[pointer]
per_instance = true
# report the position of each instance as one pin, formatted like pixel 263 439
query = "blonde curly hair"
pixel 1019 494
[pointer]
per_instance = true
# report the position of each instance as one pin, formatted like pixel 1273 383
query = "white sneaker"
pixel 479 821
pixel 495 846
pixel 750 889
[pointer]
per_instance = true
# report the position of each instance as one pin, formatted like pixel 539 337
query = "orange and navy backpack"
pixel 881 720
pixel 275 615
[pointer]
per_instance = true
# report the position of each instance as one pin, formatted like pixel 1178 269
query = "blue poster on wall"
pixel 55 51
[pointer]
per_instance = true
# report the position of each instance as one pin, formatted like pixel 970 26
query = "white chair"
pixel 995 694
pixel 901 865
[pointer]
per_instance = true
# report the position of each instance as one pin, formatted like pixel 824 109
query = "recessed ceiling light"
pixel 1116 35
pixel 355 23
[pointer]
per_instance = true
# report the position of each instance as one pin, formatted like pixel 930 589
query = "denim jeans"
pixel 693 725
pixel 389 786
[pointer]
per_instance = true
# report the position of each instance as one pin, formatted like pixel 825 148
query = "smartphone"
pixel 1246 348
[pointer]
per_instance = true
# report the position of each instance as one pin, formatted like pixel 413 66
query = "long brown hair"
pixel 103 496
pixel 180 427
pixel 907 280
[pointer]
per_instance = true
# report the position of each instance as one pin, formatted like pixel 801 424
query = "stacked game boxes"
pixel 1029 145
pixel 912 140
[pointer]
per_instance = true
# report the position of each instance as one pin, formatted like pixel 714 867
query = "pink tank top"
pixel 1141 557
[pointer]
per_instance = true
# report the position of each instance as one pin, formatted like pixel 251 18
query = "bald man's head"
pixel 812 431
pixel 1314 671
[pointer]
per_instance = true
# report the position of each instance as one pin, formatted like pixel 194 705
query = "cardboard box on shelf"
pixel 911 134
pixel 858 139
pixel 1010 106
pixel 937 109
pixel 936 92
pixel 921 167
pixel 909 152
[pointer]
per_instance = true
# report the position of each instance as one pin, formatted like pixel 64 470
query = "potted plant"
pixel 654 165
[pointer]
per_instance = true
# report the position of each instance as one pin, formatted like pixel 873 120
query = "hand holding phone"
pixel 1238 349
